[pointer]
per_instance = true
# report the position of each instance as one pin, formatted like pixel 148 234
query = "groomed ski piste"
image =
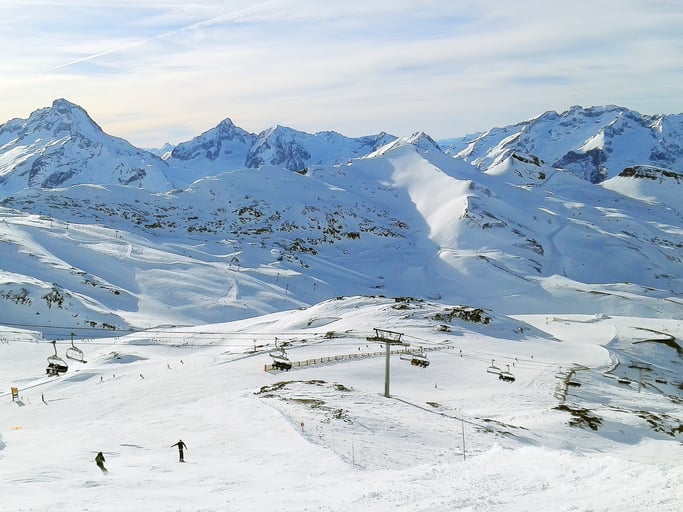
pixel 591 420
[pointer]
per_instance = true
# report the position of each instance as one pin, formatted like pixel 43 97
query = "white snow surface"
pixel 181 299
pixel 325 437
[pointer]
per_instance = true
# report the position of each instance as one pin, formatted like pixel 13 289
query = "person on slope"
pixel 181 446
pixel 99 460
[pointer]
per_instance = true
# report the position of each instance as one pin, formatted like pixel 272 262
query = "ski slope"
pixel 324 437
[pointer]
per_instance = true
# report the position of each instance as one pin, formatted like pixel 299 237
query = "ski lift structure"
pixel 567 378
pixel 493 369
pixel 280 359
pixel 389 338
pixel 75 353
pixel 55 364
pixel 416 358
pixel 506 375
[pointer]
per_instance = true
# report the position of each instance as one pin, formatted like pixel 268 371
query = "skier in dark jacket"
pixel 181 446
pixel 99 460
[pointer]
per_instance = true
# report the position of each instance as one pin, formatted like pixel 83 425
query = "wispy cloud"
pixel 148 71
pixel 193 26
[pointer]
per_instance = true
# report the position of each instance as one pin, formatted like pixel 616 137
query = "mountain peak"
pixel 61 145
pixel 226 125
pixel 420 141
pixel 62 118
pixel 63 105
pixel 225 144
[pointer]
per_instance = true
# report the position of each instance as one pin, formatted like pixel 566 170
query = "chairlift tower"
pixel 389 338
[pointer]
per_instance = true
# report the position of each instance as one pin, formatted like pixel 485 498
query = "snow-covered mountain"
pixel 250 236
pixel 596 143
pixel 227 147
pixel 61 145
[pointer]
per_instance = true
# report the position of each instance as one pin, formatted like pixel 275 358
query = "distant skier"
pixel 181 446
pixel 99 460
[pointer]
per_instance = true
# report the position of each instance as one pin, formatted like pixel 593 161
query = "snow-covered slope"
pixel 650 185
pixel 548 308
pixel 407 221
pixel 591 421
pixel 374 215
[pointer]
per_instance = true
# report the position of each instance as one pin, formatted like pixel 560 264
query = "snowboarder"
pixel 99 460
pixel 181 446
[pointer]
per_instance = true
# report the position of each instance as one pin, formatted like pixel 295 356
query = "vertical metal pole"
pixel 386 372
pixel 462 423
pixel 353 454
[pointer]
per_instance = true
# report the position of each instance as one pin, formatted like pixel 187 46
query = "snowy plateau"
pixel 483 323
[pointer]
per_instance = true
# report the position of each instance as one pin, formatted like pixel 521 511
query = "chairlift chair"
pixel 73 352
pixel 416 359
pixel 280 359
pixel 493 368
pixel 55 364
pixel 420 360
pixel 281 362
pixel 560 374
pixel 506 376
pixel 406 356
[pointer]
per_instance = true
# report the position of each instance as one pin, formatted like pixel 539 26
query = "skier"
pixel 99 460
pixel 181 446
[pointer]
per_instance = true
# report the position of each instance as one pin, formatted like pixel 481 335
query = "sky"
pixel 154 72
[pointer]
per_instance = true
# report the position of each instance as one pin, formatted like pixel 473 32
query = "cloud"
pixel 223 18
pixel 447 68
